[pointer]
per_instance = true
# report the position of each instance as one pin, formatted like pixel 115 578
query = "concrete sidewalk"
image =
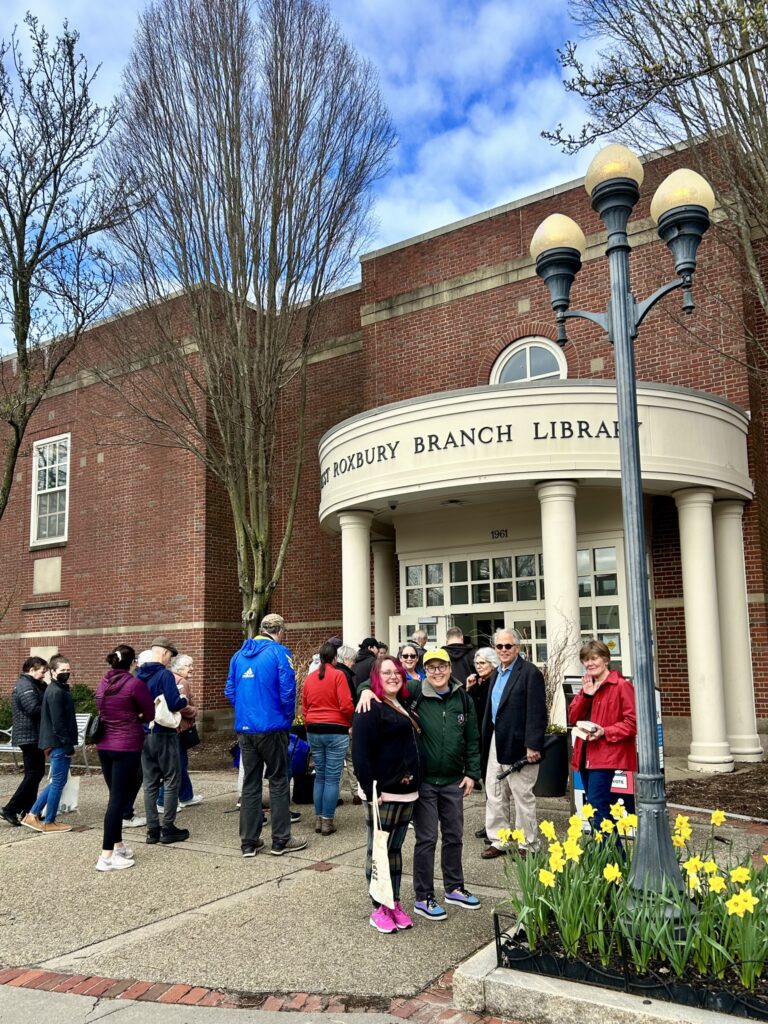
pixel 275 932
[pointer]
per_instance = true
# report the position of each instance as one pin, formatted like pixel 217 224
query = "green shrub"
pixel 5 712
pixel 84 698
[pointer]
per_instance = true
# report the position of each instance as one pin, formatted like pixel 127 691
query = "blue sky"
pixel 470 85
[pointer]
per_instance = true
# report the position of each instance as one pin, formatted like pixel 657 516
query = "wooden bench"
pixel 7 746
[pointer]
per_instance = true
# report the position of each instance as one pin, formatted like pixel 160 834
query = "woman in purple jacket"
pixel 125 705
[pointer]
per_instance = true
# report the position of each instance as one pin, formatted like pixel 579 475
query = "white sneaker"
pixel 125 852
pixel 113 863
pixel 196 799
pixel 135 822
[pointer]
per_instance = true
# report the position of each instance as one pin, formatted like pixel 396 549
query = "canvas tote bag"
pixel 381 883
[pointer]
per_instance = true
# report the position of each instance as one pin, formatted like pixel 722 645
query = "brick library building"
pixel 461 468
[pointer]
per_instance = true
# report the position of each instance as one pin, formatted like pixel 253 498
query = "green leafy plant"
pixel 84 698
pixel 5 713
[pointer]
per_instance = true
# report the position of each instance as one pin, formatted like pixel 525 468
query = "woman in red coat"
pixel 326 703
pixel 607 700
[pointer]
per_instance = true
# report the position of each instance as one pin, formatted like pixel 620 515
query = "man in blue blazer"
pixel 514 725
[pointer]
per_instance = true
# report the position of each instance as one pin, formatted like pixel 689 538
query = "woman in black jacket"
pixel 58 738
pixel 26 704
pixel 385 751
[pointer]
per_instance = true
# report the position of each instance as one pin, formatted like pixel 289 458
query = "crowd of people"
pixel 418 732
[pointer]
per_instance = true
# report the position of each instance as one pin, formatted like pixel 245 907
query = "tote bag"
pixel 381 882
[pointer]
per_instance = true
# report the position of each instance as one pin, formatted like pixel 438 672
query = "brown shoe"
pixel 492 852
pixel 318 824
pixel 327 827
pixel 32 821
pixel 56 826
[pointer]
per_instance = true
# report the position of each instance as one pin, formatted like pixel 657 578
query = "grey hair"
pixel 509 632
pixel 181 661
pixel 345 652
pixel 144 657
pixel 488 654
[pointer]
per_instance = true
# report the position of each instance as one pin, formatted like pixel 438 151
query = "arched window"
pixel 529 359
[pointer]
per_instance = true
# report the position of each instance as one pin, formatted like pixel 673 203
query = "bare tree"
pixel 55 279
pixel 254 133
pixel 690 72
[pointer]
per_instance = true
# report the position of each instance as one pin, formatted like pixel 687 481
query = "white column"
pixel 561 584
pixel 709 744
pixel 383 587
pixel 355 576
pixel 740 718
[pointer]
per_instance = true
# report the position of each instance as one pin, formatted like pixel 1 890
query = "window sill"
pixel 42 545
pixel 39 606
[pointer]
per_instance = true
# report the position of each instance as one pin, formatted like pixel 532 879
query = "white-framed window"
pixel 50 490
pixel 529 359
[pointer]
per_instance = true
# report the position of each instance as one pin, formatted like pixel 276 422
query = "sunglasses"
pixel 409 655
pixel 505 647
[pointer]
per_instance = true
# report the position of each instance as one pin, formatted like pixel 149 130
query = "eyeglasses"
pixel 506 647
pixel 436 666
pixel 409 656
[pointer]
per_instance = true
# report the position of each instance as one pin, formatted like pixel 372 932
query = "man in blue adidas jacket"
pixel 262 686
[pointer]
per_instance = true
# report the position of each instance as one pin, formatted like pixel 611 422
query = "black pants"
pixel 120 768
pixel 260 751
pixel 128 809
pixel 34 770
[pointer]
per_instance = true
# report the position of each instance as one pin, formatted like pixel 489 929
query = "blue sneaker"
pixel 462 898
pixel 430 909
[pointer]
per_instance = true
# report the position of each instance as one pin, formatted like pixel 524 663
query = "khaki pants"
pixel 516 790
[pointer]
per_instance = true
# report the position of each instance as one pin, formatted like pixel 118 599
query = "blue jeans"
pixel 51 795
pixel 328 752
pixel 185 785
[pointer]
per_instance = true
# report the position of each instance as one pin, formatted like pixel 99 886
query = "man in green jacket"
pixel 450 749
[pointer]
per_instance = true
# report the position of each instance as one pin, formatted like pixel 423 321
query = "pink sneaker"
pixel 400 918
pixel 381 919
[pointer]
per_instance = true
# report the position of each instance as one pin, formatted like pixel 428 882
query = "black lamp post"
pixel 681 209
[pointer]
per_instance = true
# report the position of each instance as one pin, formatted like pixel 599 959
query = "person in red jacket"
pixel 607 700
pixel 326 704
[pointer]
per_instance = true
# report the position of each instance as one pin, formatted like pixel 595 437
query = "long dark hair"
pixel 327 657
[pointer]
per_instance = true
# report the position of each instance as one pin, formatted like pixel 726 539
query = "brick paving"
pixel 432 1006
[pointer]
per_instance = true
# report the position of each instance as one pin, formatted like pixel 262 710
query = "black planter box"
pixel 512 952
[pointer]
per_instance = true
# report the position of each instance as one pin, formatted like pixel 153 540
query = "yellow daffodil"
pixel 556 862
pixel 681 821
pixel 612 873
pixel 631 820
pixel 749 902
pixel 572 850
pixel 740 875
pixel 718 817
pixel 574 831
pixel 694 883
pixel 518 836
pixel 678 841
pixel 547 878
pixel 624 826
pixel 587 812
pixel 607 826
pixel 555 848
pixel 574 820
pixel 710 867
pixel 598 837
pixel 547 829
pixel 685 832
pixel 735 906
pixel 716 883
pixel 693 865
pixel 505 834
pixel 618 810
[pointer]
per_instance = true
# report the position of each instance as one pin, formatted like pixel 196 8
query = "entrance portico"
pixel 505 504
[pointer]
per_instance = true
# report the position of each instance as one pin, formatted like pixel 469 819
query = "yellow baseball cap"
pixel 438 655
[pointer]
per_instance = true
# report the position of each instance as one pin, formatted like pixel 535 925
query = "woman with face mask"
pixel 58 738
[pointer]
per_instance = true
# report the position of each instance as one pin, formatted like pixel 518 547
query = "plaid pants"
pixel 394 819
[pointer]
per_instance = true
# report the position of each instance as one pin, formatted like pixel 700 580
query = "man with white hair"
pixel 262 686
pixel 514 725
